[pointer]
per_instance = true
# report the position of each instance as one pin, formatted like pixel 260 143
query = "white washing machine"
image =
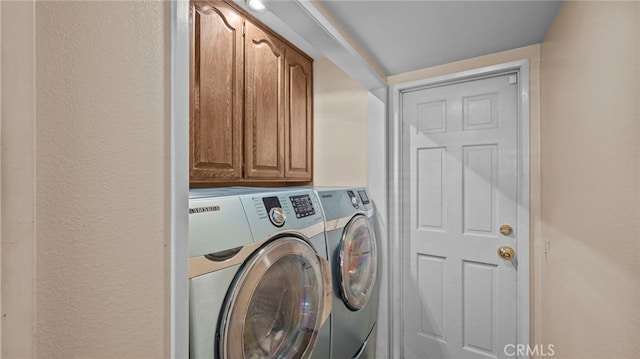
pixel 351 242
pixel 259 279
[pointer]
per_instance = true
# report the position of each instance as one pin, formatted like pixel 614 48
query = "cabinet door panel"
pixel 216 93
pixel 299 117
pixel 264 96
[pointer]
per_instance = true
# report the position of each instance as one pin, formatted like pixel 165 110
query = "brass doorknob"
pixel 506 229
pixel 507 253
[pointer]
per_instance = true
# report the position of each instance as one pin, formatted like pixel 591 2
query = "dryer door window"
pixel 358 263
pixel 274 309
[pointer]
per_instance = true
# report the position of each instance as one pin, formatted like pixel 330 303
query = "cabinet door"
pixel 298 116
pixel 264 105
pixel 215 126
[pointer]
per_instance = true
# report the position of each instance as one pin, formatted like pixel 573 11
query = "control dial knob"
pixel 355 202
pixel 277 216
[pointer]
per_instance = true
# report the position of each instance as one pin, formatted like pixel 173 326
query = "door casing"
pixel 395 193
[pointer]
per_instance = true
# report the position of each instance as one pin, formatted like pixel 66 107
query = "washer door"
pixel 358 263
pixel 277 304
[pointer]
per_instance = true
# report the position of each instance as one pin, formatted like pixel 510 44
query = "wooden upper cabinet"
pixel 216 95
pixel 251 101
pixel 298 116
pixel 264 105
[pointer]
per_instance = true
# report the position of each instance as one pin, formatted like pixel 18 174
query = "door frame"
pixel 396 205
pixel 178 172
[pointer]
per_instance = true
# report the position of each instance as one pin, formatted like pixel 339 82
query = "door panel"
pixel 460 150
pixel 264 100
pixel 430 282
pixel 216 92
pixel 479 306
pixel 479 189
pixel 431 178
pixel 299 116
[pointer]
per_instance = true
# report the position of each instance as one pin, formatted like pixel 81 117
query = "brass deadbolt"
pixel 506 229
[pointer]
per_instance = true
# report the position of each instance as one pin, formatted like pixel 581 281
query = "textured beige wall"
pixel 590 85
pixel 340 127
pixel 17 172
pixel 102 179
pixel 532 53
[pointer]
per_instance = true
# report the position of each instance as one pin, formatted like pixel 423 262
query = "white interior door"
pixel 460 145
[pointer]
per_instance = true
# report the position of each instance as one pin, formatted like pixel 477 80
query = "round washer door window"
pixel 274 309
pixel 358 263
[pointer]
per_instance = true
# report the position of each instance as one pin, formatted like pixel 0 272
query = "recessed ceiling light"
pixel 256 5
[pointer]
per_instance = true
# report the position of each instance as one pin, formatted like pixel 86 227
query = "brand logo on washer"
pixel 204 209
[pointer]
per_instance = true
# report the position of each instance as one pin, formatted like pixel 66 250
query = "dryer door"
pixel 277 304
pixel 358 263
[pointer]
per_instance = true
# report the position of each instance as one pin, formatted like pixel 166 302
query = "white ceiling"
pixel 402 36
pixel 405 35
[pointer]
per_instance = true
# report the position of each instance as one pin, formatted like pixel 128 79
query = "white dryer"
pixel 260 283
pixel 352 245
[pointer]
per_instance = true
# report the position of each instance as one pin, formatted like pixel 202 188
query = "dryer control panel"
pixel 363 196
pixel 355 201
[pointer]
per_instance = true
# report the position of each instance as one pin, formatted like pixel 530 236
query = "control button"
pixel 277 216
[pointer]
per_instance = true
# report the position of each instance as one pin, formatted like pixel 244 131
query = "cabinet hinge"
pixel 513 79
pixel 244 28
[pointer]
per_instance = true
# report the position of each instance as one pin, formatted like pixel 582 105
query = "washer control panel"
pixel 277 215
pixel 302 205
